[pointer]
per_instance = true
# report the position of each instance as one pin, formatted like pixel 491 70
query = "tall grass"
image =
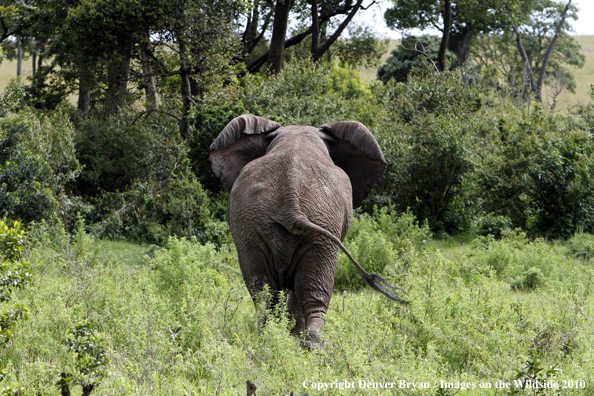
pixel 179 321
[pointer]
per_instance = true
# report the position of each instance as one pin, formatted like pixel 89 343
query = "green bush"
pixel 494 225
pixel 538 175
pixel 117 150
pixel 37 160
pixel 208 120
pixel 432 93
pixel 14 275
pixel 348 83
pixel 427 170
pixel 385 244
pixel 408 55
pixel 524 264
pixel 402 229
pixel 370 247
pixel 152 211
pixel 301 94
pixel 581 244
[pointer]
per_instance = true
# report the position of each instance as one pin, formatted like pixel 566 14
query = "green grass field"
pixel 179 321
pixel 584 76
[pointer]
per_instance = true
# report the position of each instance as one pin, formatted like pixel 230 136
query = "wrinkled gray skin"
pixel 291 206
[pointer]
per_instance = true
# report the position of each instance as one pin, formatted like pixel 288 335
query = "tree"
pixel 413 52
pixel 458 20
pixel 316 21
pixel 547 23
pixel 201 35
pixel 498 54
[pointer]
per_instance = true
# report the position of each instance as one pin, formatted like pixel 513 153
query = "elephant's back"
pixel 271 193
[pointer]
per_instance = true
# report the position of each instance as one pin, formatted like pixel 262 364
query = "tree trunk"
pixel 19 46
pixel 536 86
pixel 462 49
pixel 279 33
pixel 332 39
pixel 528 66
pixel 33 58
pixel 315 25
pixel 186 91
pixel 84 94
pixel 446 14
pixel 118 71
pixel 87 389
pixel 549 51
pixel 150 85
pixel 63 384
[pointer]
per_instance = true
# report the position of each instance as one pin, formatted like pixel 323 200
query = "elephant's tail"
pixel 374 280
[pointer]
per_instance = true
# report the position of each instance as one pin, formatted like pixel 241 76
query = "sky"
pixel 374 16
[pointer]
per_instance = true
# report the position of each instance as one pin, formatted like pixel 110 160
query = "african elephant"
pixel 293 190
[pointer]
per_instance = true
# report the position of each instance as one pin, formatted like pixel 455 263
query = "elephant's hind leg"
pixel 296 312
pixel 314 280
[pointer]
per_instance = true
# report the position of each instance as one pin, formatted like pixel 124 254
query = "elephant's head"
pixel 350 144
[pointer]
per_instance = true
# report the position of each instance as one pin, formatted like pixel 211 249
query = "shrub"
pixel 408 55
pixel 539 175
pixel 426 172
pixel 524 264
pixel 384 246
pixel 37 160
pixel 153 211
pixel 432 93
pixel 370 247
pixel 493 225
pixel 581 244
pixel 116 150
pixel 14 275
pixel 209 119
pixel 402 229
pixel 301 94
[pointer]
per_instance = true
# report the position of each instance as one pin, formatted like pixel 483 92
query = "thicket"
pixel 458 158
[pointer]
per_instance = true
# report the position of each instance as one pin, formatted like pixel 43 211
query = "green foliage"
pixel 117 150
pixel 362 49
pixel 347 82
pixel 12 95
pixel 301 94
pixel 539 174
pixel 432 93
pixel 533 372
pixel 403 229
pixel 91 356
pixel 497 64
pixel 183 321
pixel 413 52
pixel 152 211
pixel 434 159
pixel 37 160
pixel 381 245
pixel 493 225
pixel 524 264
pixel 14 275
pixel 581 244
pixel 209 119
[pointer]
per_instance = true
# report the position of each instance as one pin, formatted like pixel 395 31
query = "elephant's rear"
pixel 270 198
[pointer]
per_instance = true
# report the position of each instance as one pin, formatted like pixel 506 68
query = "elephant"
pixel 293 190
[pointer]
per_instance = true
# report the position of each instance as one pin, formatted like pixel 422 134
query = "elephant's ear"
pixel 355 150
pixel 243 140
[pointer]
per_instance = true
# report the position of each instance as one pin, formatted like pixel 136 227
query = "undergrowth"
pixel 179 320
